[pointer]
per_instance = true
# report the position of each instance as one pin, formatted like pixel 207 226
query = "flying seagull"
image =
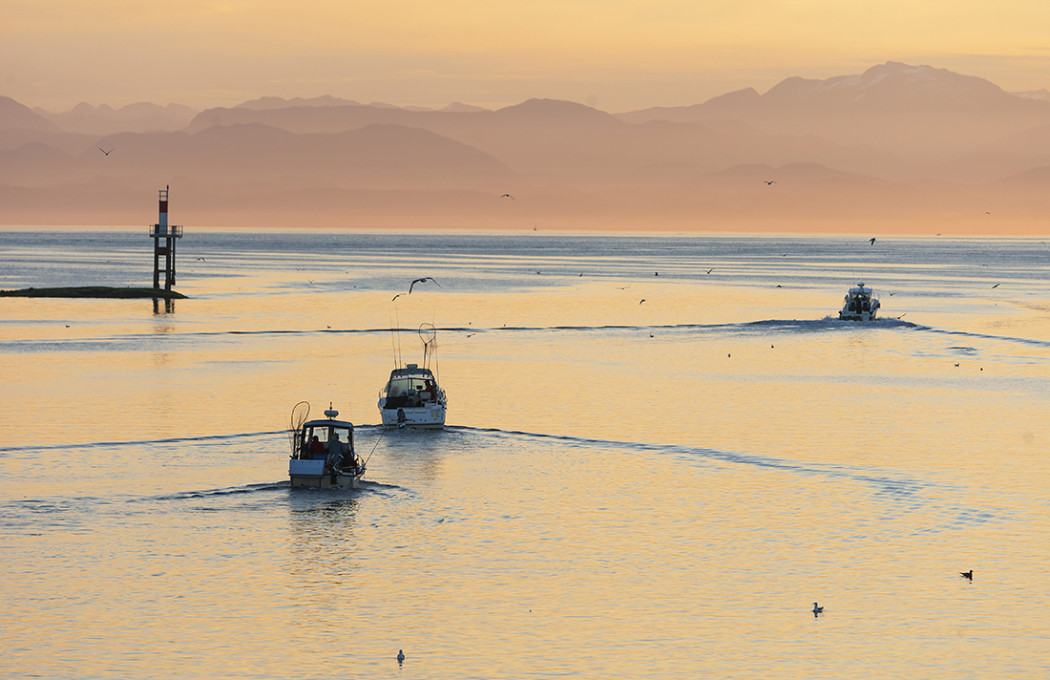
pixel 508 196
pixel 968 575
pixel 872 240
pixel 769 182
pixel 106 152
pixel 425 278
pixel 817 610
pixel 641 301
pixel 995 286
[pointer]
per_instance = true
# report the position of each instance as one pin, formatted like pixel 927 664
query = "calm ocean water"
pixel 661 451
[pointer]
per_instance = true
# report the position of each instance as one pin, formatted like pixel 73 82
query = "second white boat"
pixel 860 304
pixel 412 396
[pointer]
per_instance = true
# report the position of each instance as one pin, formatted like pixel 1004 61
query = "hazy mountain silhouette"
pixel 15 116
pixel 104 120
pixel 895 148
pixel 384 156
pixel 269 103
pixel 559 140
pixel 918 112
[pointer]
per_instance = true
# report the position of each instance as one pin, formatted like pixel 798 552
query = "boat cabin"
pixel 411 386
pixel 859 304
pixel 858 299
pixel 329 441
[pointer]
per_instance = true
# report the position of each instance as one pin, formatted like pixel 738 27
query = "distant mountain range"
pixel 896 148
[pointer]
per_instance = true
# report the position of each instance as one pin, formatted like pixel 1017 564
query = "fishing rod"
pixel 395 338
pixel 378 439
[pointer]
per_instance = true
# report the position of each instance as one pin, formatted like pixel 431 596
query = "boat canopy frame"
pixel 324 426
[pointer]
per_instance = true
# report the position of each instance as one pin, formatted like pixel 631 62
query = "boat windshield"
pixel 320 439
pixel 398 387
pixel 413 390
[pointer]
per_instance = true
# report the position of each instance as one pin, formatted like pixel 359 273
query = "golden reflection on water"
pixel 663 497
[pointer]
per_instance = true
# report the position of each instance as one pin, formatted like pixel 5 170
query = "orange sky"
pixel 617 55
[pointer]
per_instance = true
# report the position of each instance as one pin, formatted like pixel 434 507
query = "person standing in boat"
pixel 336 449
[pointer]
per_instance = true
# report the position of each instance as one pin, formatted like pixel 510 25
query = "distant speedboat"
pixel 323 451
pixel 412 397
pixel 859 305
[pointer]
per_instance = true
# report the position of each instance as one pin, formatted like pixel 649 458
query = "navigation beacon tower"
pixel 161 230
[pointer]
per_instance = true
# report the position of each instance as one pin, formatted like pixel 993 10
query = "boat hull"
pixel 854 316
pixel 430 417
pixel 311 473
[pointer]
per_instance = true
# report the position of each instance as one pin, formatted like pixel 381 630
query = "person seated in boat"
pixel 317 448
pixel 429 391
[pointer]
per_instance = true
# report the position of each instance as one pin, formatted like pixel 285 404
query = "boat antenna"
pixel 433 354
pixel 300 412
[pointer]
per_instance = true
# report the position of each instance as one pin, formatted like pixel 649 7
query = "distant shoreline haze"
pixel 896 149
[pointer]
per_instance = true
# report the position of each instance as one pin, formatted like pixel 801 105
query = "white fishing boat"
pixel 323 451
pixel 860 304
pixel 412 397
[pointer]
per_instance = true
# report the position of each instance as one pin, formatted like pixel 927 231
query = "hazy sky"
pixel 617 55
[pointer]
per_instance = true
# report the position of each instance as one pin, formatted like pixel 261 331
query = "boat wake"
pixel 824 325
pixel 365 486
pixel 32 448
pixel 985 336
pixel 890 486
pixel 694 453
pixel 74 505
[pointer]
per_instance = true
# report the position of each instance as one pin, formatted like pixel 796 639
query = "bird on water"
pixel 817 610
pixel 400 655
pixel 968 575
